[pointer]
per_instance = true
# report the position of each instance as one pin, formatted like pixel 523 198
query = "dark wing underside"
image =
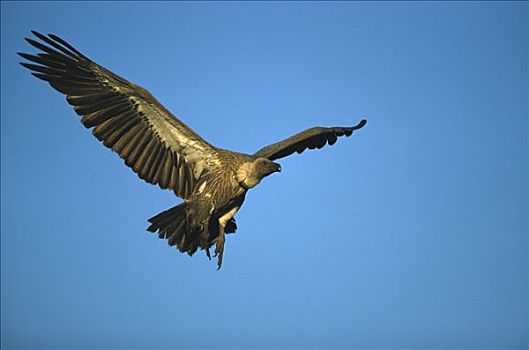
pixel 126 118
pixel 311 138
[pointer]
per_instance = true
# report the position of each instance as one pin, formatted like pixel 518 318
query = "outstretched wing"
pixel 126 118
pixel 311 138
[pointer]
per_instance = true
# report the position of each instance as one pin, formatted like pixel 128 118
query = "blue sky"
pixel 411 233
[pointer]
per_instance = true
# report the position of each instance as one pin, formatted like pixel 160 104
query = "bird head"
pixel 264 167
pixel 251 173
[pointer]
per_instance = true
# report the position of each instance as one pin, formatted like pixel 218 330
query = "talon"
pixel 219 262
pixel 207 253
pixel 219 250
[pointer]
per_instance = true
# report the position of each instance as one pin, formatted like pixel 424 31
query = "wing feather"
pixel 158 168
pixel 312 138
pixel 160 148
pixel 155 167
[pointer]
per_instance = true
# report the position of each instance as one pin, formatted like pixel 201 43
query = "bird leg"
pixel 219 247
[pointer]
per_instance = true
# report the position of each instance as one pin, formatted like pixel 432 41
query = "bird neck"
pixel 246 176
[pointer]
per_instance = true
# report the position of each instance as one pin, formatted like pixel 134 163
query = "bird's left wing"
pixel 312 138
pixel 160 148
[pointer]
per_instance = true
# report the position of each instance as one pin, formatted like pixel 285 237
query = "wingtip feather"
pixel 39 35
pixel 362 123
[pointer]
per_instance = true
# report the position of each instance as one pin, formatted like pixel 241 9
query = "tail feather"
pixel 178 227
pixel 171 225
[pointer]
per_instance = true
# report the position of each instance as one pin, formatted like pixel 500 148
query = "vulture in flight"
pixel 164 151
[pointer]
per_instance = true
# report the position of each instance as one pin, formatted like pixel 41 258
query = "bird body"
pixel 164 151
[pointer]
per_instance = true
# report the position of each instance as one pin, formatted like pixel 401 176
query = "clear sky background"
pixel 410 233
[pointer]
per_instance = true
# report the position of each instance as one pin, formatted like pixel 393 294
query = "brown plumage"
pixel 164 151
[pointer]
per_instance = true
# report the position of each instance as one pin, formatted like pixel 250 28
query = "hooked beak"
pixel 278 167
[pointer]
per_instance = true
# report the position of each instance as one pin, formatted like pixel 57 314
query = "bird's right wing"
pixel 311 138
pixel 160 148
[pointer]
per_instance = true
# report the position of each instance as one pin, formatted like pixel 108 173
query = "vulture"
pixel 164 151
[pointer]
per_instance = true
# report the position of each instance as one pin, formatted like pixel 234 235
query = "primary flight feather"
pixel 162 150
